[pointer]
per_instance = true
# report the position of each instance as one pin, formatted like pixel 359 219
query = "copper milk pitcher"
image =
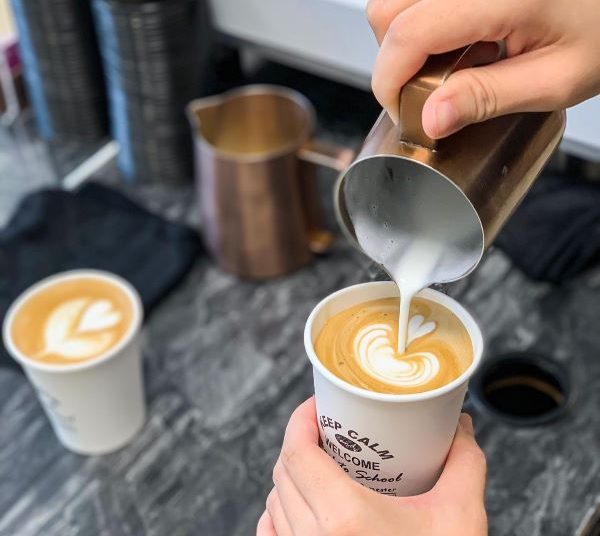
pixel 459 190
pixel 255 172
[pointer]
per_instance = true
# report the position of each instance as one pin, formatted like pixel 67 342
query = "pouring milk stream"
pixel 426 209
pixel 415 246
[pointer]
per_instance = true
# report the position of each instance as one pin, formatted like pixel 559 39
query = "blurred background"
pixel 112 156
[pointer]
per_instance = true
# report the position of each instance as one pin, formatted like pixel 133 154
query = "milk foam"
pixel 378 357
pixel 412 271
pixel 80 328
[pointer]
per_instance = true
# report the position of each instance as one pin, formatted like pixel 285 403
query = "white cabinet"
pixel 333 38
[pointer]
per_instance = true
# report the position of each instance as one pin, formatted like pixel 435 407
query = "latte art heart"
pixel 417 328
pixel 378 358
pixel 359 345
pixel 73 320
pixel 80 328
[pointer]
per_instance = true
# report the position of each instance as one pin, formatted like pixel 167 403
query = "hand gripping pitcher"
pixel 456 192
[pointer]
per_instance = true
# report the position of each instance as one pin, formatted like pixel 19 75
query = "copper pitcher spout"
pixel 203 111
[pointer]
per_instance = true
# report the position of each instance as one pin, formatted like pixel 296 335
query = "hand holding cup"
pixel 312 494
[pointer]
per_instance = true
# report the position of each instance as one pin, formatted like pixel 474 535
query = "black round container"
pixel 62 68
pixel 150 55
pixel 522 388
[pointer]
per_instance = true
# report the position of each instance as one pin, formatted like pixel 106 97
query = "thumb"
pixel 464 472
pixel 535 81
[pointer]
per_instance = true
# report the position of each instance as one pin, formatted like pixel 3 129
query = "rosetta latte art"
pixel 359 345
pixel 377 356
pixel 80 328
pixel 73 319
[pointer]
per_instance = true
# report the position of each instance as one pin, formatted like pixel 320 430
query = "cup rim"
pixel 463 315
pixel 26 361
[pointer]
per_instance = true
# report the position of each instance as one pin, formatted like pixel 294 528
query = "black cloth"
pixel 555 234
pixel 96 227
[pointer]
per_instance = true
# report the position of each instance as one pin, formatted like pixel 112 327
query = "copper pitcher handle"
pixel 432 75
pixel 312 154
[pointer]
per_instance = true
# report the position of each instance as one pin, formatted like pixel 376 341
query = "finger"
pixel 381 13
pixel 316 476
pixel 295 508
pixel 464 473
pixel 415 34
pixel 280 523
pixel 540 80
pixel 465 422
pixel 265 526
pixel 303 421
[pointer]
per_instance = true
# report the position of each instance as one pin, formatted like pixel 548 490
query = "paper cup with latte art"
pixel 395 444
pixel 95 405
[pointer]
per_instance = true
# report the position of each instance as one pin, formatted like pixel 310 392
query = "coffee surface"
pixel 72 320
pixel 359 345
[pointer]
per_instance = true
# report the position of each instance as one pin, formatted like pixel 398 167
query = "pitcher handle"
pixel 432 75
pixel 312 154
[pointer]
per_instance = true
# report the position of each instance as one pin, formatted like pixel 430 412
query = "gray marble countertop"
pixel 224 368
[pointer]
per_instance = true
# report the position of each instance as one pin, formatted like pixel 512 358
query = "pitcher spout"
pixel 202 112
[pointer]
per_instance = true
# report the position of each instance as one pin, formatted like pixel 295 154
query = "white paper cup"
pixel 393 444
pixel 95 406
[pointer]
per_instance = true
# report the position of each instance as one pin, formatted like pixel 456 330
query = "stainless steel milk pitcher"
pixel 462 188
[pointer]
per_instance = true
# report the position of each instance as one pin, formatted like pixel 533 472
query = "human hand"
pixel 314 497
pixel 553 56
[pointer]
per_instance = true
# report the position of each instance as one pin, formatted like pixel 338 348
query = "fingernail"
pixel 467 423
pixel 446 118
